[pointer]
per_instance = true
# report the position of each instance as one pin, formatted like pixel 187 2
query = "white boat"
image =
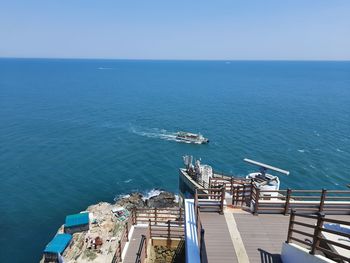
pixel 265 181
pixel 191 137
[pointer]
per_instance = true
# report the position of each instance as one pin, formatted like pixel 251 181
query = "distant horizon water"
pixel 179 59
pixel 75 132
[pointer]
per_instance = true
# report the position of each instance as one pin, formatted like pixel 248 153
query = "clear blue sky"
pixel 176 29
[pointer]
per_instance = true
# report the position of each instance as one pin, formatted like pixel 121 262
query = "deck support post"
pixel 316 237
pixel 286 207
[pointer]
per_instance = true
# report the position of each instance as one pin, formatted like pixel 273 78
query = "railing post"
pixel 149 228
pixel 180 218
pixel 291 225
pixel 133 213
pixel 233 196
pixel 120 251
pixel 168 229
pixel 146 241
pixel 232 183
pixel 201 244
pixel 251 192
pixel 222 200
pixel 286 206
pixel 155 215
pixel 257 197
pixel 323 198
pixel 243 194
pixel 316 237
pixel 127 231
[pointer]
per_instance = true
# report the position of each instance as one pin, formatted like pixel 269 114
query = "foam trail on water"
pixel 154 133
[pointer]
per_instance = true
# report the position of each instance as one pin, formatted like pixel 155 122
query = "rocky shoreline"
pixel 105 226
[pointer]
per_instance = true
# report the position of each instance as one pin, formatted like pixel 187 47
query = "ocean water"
pixel 76 132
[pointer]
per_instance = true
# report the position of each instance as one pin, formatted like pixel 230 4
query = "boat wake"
pixel 157 134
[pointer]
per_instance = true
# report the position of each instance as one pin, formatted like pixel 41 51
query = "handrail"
pixel 316 234
pixel 123 239
pixel 141 254
pixel 158 215
pixel 310 201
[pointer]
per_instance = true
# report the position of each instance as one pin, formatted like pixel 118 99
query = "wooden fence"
pixel 316 237
pixel 158 215
pixel 170 230
pixel 123 239
pixel 306 201
pixel 210 199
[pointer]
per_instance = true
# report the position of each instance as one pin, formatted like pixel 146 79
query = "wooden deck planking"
pixel 263 235
pixel 134 244
pixel 218 244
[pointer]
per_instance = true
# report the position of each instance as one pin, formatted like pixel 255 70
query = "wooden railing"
pixel 210 199
pixel 169 230
pixel 242 194
pixel 158 215
pixel 313 234
pixel 306 201
pixel 123 239
pixel 228 183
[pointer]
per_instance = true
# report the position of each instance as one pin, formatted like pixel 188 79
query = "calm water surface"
pixel 76 132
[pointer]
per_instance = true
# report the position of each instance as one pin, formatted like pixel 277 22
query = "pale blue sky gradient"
pixel 181 29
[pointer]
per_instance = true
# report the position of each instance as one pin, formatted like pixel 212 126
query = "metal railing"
pixel 141 254
pixel 313 234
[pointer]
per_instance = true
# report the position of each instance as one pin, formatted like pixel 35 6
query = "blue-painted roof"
pixel 77 220
pixel 58 244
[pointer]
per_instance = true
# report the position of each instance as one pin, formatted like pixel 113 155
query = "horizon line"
pixel 174 59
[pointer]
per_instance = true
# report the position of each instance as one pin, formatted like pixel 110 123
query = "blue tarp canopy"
pixel 77 220
pixel 58 244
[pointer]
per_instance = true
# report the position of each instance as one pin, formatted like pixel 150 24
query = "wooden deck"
pixel 134 244
pixel 262 235
pixel 218 244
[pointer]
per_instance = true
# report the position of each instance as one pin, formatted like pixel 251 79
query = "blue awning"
pixel 77 220
pixel 58 244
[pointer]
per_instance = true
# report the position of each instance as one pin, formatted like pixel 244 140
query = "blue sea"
pixel 77 132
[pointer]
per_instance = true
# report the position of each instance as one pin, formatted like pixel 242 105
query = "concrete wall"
pixel 292 253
